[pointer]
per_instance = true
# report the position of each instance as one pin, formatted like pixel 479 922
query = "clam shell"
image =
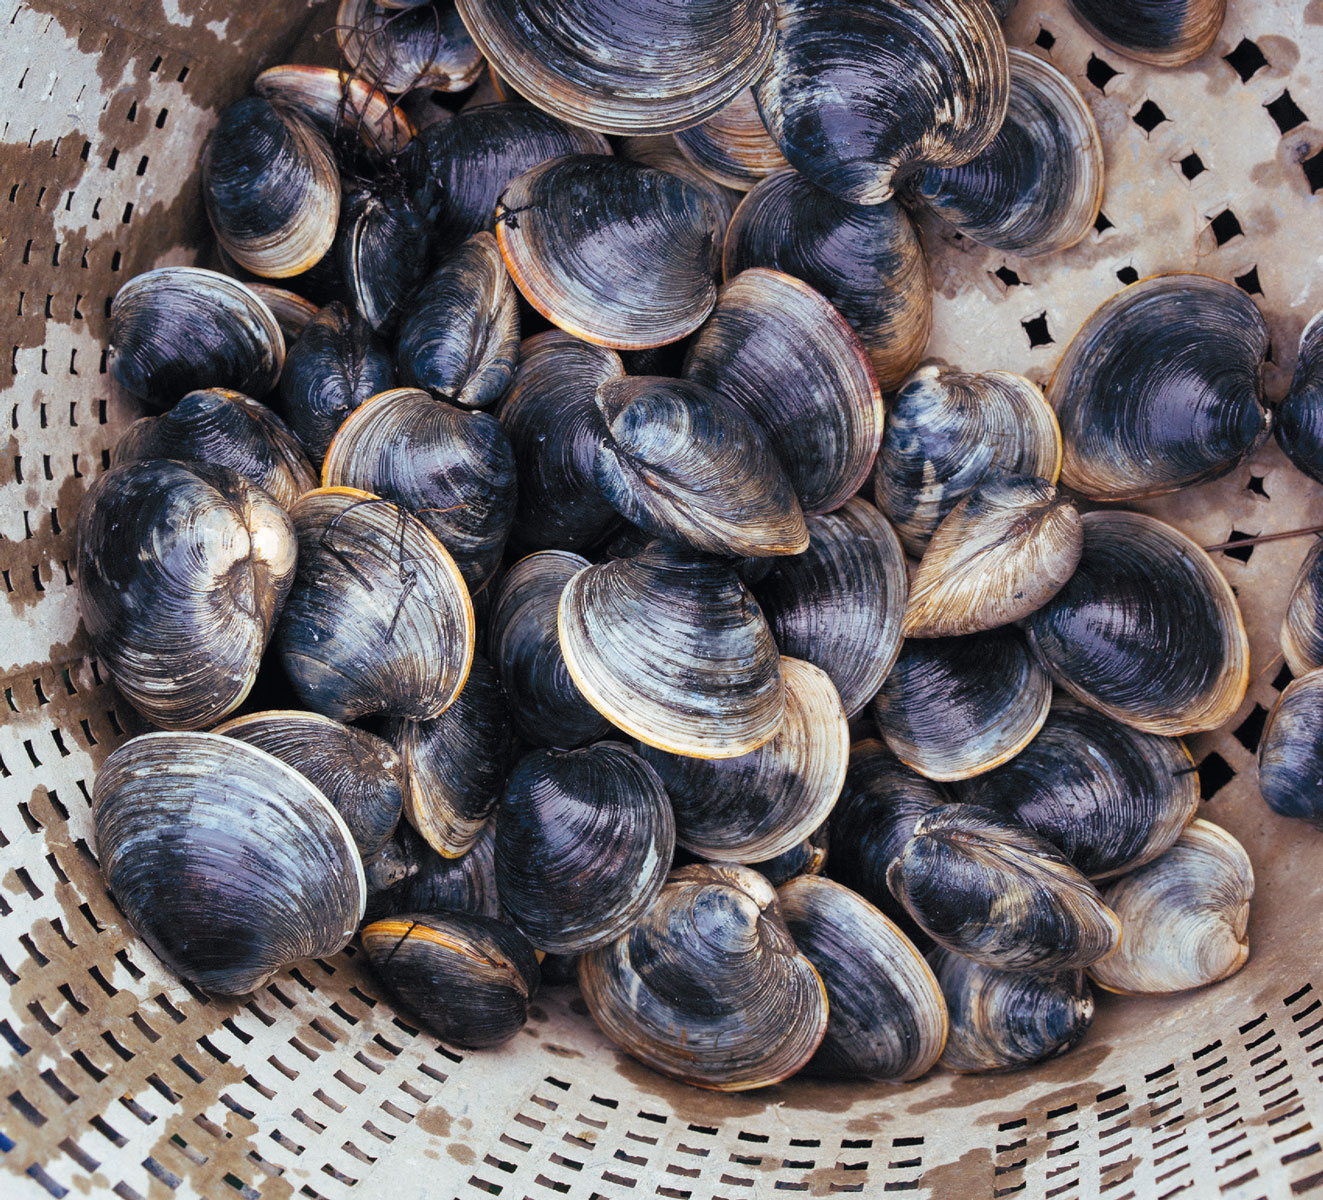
pixel 454 470
pixel 683 463
pixel 1161 388
pixel 866 260
pixel 551 417
pixel 839 604
pixel 672 648
pixel 361 775
pixel 732 147
pixel 379 619
pixel 1291 751
pixel 765 803
pixel 545 704
pixel 610 251
pixel 426 47
pixel 708 987
pixel 177 329
pixel 468 979
pixel 1184 916
pixel 956 707
pixel 219 426
pixel 1002 553
pixel 1166 35
pixel 1147 630
pixel 663 153
pixel 1038 186
pixel 624 66
pixel 182 570
pixel 948 431
pixel 291 311
pixel 418 879
pixel 859 95
pixel 339 105
pixel 1299 426
pixel 1007 1020
pixel 1107 796
pixel 382 248
pixel 808 857
pixel 985 887
pixel 1302 627
pixel 229 864
pixel 886 1018
pixel 782 353
pixel 584 839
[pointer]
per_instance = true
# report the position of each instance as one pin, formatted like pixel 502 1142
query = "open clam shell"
pixel 858 96
pixel 182 570
pixel 1166 35
pixel 672 648
pixel 228 863
pixel 177 329
pixel 624 66
pixel 781 352
pixel 1147 630
pixel 839 604
pixel 339 105
pixel 1299 426
pixel 1302 627
pixel 709 987
pixel 1109 797
pixel 1183 916
pixel 867 260
pixel 610 251
pixel 1038 186
pixel 220 426
pixel 1007 1020
pixel 1161 388
pixel 765 803
pixel 985 887
pixel 732 146
pixel 379 618
pixel 1291 751
pixel 887 1018
pixel 948 431
pixel 425 47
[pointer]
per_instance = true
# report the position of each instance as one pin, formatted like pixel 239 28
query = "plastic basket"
pixel 116 1078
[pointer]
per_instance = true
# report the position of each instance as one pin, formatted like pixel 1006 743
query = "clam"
pixel 381 247
pixel 545 705
pixel 398 51
pixel 378 619
pixel 956 707
pixel 1291 751
pixel 271 188
pixel 1038 186
pixel 217 425
pixel 887 1018
pixel 867 260
pixel 1300 417
pixel 468 979
pixel 1161 388
pixel 1302 627
pixel 454 470
pixel 672 648
pixel 610 251
pixel 460 338
pixel 732 146
pixel 1107 796
pixel 1184 916
pixel 858 97
pixel 339 105
pixel 663 153
pixel 551 417
pixel 708 987
pixel 177 329
pixel 948 431
pixel 808 857
pixel 1166 35
pixel 412 877
pixel 361 775
pixel 624 66
pixel 782 353
pixel 1003 552
pixel 839 604
pixel 1147 630
pixel 182 569
pixel 291 311
pixel 229 864
pixel 584 839
pixel 985 887
pixel 765 803
pixel 1006 1020
pixel 477 155
pixel 683 463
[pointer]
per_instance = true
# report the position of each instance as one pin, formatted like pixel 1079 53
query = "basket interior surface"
pixel 116 1078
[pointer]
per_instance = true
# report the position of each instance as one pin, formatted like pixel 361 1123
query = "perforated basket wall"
pixel 114 1077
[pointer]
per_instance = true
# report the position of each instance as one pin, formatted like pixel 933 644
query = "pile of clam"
pixel 529 460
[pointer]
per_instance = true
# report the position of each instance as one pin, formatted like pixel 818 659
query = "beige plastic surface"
pixel 115 1078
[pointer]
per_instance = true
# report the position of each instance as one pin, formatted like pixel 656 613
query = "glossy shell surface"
pixel 1166 35
pixel 732 146
pixel 1302 627
pixel 1291 751
pixel 425 47
pixel 1300 418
